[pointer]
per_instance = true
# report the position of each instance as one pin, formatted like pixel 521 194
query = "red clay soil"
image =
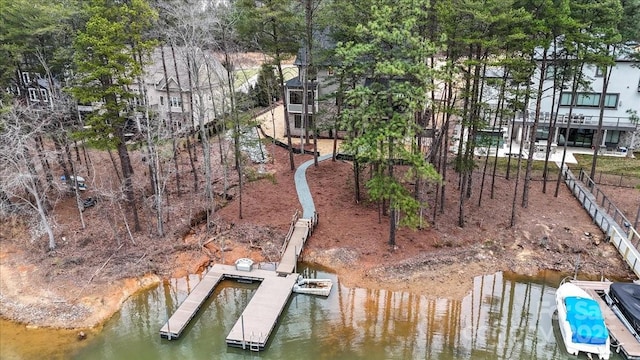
pixel 352 238
pixel 84 281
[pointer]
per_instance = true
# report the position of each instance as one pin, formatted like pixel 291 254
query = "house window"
pixel 161 100
pixel 599 71
pixel 549 73
pixel 297 121
pixel 175 101
pixel 137 101
pixel 43 95
pixel 589 100
pixel 295 97
pixel 613 136
pixel 25 77
pixel 33 95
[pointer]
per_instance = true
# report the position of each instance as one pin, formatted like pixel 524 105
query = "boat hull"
pixel 578 342
pixel 320 287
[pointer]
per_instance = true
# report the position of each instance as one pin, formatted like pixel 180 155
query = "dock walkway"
pixel 289 259
pixel 624 241
pixel 261 315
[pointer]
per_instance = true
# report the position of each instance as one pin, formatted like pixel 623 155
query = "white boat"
pixel 581 322
pixel 321 287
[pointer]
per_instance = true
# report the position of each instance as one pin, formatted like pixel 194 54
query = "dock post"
pixel 242 323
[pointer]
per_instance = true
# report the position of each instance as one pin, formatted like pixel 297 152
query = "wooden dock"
pixel 260 316
pixel 625 341
pixel 258 319
pixel 190 306
pixel 289 259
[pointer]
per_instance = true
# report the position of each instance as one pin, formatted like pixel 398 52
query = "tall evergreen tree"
pixel 391 55
pixel 106 63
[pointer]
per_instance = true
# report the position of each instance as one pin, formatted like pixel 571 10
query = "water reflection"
pixel 504 317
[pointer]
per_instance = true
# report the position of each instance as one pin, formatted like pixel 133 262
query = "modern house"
pixel 621 105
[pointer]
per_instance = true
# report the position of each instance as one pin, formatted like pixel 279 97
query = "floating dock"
pixel 190 306
pixel 258 319
pixel 623 340
pixel 260 316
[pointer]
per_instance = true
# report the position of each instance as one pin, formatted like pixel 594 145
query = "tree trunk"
pixel 125 164
pixel 574 89
pixel 534 130
pixel 194 170
pixel 287 125
pixel 599 133
pixel 154 164
pixel 174 147
pixel 392 207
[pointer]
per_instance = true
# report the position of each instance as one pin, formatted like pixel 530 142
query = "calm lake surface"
pixel 505 317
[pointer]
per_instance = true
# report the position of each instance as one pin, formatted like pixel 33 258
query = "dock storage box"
pixel 244 264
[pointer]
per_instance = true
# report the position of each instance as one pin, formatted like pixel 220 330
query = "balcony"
pixel 584 121
pixel 299 109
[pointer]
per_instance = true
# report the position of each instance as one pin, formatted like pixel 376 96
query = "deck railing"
pixel 625 238
pixel 605 203
pixel 292 227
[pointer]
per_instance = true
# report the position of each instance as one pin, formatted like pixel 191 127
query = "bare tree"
pixel 20 179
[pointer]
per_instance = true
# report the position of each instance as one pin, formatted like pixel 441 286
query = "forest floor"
pixel 93 270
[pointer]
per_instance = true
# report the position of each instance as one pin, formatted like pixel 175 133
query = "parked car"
pixel 88 202
pixel 73 180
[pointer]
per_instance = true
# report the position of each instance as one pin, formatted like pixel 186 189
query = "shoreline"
pixel 444 279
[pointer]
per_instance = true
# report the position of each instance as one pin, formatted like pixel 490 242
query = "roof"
pixel 154 71
pixel 294 83
pixel 628 52
pixel 322 44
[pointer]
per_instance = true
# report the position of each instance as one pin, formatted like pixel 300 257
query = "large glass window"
pixel 295 97
pixel 549 72
pixel 612 137
pixel 542 133
pixel 584 99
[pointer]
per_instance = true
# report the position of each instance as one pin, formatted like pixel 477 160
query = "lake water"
pixel 504 317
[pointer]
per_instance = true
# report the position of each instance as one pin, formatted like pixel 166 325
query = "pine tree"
pixel 106 63
pixel 392 56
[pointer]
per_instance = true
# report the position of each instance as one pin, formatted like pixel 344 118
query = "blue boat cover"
pixel 587 323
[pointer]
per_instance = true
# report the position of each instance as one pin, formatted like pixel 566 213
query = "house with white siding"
pixel 621 107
